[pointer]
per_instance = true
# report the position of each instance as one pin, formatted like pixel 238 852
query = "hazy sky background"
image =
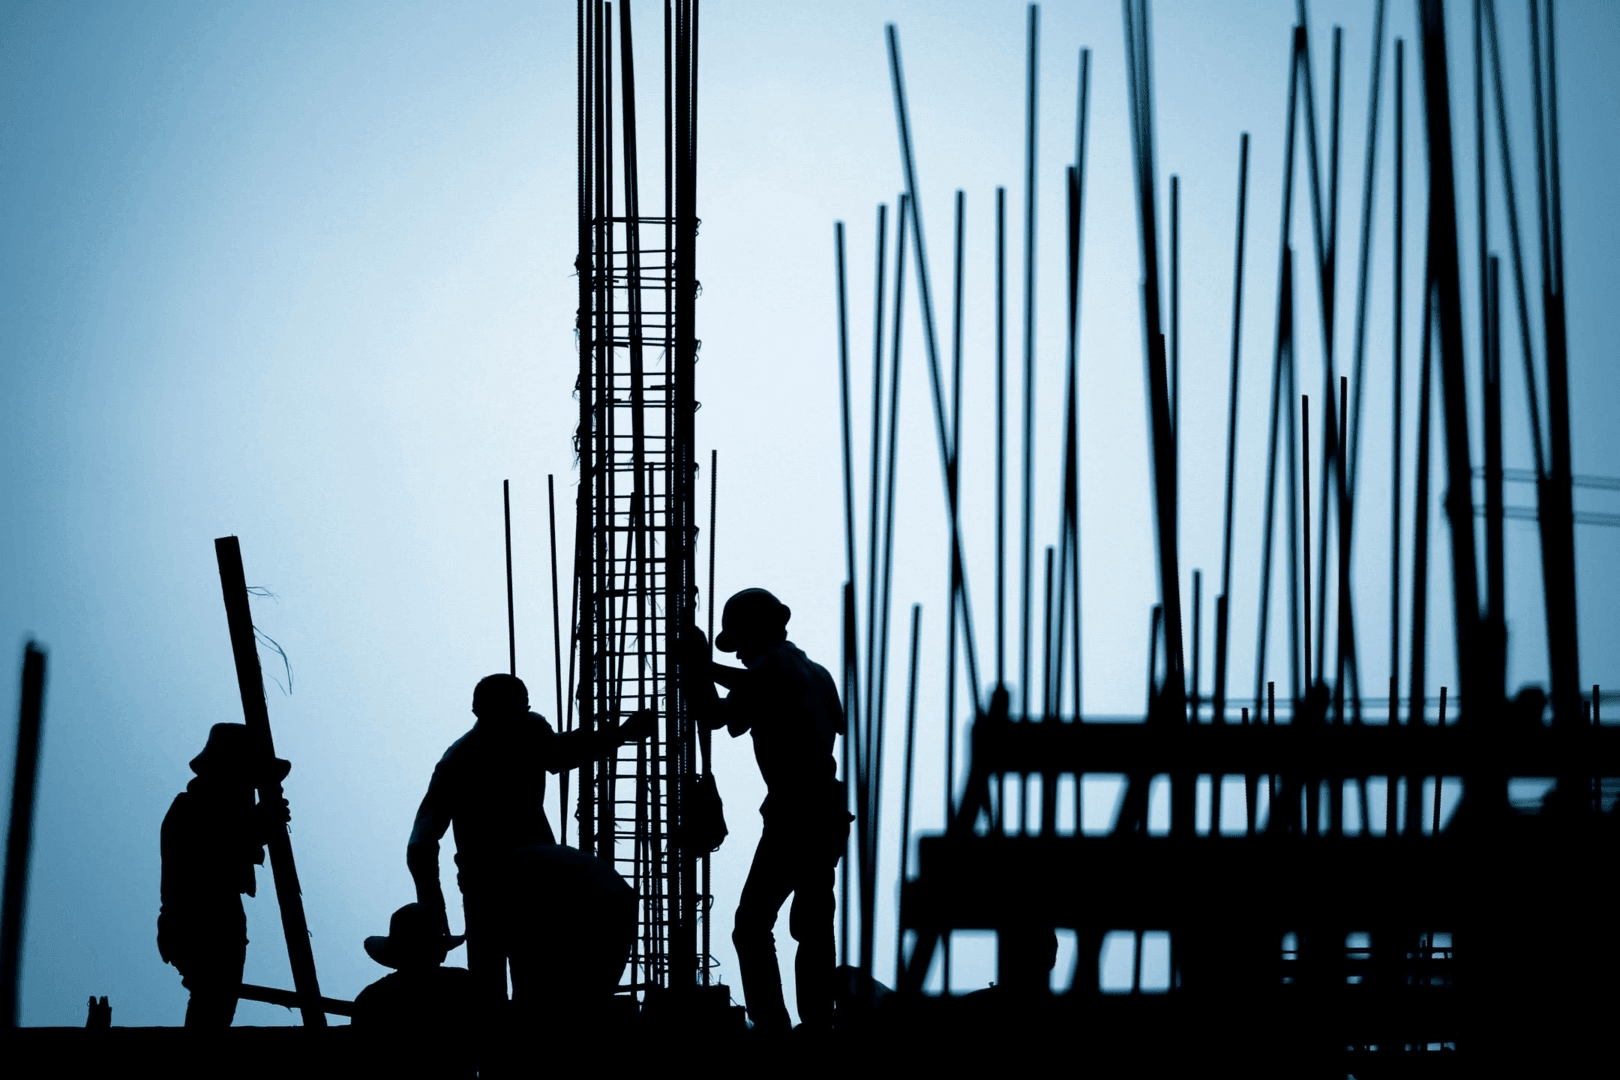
pixel 303 273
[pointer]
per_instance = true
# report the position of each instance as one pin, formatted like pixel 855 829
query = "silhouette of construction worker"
pixel 213 836
pixel 491 786
pixel 421 994
pixel 791 706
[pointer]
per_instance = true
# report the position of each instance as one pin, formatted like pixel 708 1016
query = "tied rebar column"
pixel 636 528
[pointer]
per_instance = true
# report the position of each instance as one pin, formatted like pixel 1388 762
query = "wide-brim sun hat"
pixel 413 935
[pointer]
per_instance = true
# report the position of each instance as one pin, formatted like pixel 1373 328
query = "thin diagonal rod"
pixel 1397 343
pixel 873 517
pixel 1081 137
pixel 1282 352
pixel 1139 53
pixel 955 565
pixel 931 342
pixel 1222 604
pixel 1506 151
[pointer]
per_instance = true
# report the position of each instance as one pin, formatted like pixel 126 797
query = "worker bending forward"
pixel 791 706
pixel 491 786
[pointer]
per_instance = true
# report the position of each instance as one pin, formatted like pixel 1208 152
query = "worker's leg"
pixel 811 922
pixel 770 879
pixel 213 969
pixel 486 950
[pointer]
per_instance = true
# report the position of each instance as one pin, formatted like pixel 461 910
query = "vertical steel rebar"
pixel 556 648
pixel 1001 437
pixel 1028 469
pixel 905 797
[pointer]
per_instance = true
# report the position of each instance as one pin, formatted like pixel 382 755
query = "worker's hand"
pixel 695 647
pixel 640 725
pixel 274 811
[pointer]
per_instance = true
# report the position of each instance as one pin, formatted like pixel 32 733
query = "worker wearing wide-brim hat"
pixel 213 836
pixel 421 994
pixel 790 705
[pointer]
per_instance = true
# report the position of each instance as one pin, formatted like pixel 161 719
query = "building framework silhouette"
pixel 635 579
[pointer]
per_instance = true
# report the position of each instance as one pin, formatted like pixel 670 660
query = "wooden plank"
pixel 251 681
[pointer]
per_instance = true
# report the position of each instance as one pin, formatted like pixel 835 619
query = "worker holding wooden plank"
pixel 213 837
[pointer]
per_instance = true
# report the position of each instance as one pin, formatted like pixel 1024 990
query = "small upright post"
pixel 511 620
pixel 20 835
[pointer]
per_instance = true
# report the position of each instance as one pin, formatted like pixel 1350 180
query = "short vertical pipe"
pixel 511 617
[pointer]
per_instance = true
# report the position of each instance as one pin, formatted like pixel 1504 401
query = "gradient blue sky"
pixel 303 272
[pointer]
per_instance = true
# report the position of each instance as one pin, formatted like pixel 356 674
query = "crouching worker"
pixel 213 836
pixel 491 787
pixel 791 706
pixel 422 995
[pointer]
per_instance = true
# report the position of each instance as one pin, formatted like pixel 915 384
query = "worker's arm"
pixel 572 749
pixel 729 677
pixel 422 851
pixel 699 673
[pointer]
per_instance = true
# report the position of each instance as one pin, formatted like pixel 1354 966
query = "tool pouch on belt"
pixel 704 829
